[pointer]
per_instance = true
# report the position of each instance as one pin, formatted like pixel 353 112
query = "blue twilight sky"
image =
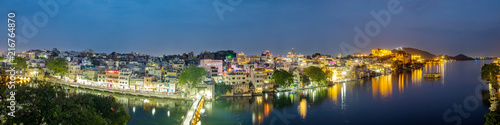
pixel 160 27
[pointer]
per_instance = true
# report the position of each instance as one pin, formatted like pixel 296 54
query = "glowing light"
pixel 303 108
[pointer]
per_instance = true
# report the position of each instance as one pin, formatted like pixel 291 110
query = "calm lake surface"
pixel 397 98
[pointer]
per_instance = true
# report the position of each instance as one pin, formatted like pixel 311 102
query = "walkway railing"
pixel 125 92
pixel 193 115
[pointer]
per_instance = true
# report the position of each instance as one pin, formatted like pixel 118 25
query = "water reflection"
pixel 303 108
pixel 143 110
pixel 333 93
pixel 330 104
pixel 436 68
pixel 416 77
pixel 382 86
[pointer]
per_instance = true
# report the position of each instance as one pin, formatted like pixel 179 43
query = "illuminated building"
pixel 266 56
pixel 259 78
pixel 124 78
pixel 403 57
pixel 242 58
pixel 416 58
pixel 381 52
pixel 112 76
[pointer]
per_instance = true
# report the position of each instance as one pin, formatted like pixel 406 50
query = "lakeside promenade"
pixel 120 91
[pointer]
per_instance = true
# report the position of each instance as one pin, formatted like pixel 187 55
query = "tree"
pixel 349 56
pixel 58 65
pixel 397 64
pixel 315 55
pixel 46 104
pixel 492 118
pixel 282 77
pixel 21 62
pixel 489 72
pixel 250 84
pixel 192 75
pixel 305 79
pixel 316 75
pixel 221 89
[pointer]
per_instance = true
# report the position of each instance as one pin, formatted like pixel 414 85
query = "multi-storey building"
pixel 236 77
pixel 73 70
pixel 209 63
pixel 112 77
pixel 259 78
pixel 124 78
pixel 136 81
pixel 403 57
pixel 153 71
pixel 242 58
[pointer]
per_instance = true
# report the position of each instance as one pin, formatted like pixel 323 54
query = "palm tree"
pixel 489 72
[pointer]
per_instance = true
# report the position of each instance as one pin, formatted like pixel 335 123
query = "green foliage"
pixel 250 84
pixel 489 72
pixel 192 75
pixel 221 89
pixel 397 65
pixel 58 65
pixel 282 78
pixel 316 75
pixel 21 62
pixel 48 104
pixel 316 54
pixel 492 118
pixel 305 79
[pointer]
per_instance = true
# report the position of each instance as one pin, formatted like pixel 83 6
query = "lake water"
pixel 397 98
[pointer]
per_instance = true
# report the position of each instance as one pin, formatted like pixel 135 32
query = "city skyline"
pixel 176 27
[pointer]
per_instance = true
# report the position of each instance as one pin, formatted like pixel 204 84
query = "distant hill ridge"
pixel 428 56
pixel 462 57
pixel 423 54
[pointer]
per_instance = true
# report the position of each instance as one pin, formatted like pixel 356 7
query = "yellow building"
pixel 416 58
pixel 381 52
pixel 403 57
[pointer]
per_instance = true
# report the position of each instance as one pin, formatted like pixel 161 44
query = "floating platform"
pixel 432 75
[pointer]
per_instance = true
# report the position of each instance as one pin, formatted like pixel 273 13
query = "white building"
pixel 236 78
pixel 124 78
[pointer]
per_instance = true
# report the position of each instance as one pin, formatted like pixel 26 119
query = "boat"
pixel 432 75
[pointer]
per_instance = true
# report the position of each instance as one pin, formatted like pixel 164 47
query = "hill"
pixel 462 57
pixel 424 54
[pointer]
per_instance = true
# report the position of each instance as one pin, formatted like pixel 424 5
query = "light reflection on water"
pixel 341 103
pixel 380 99
pixel 145 110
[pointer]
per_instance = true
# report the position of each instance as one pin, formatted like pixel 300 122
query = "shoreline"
pixel 149 95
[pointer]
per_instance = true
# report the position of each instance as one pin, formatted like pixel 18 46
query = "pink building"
pixel 208 63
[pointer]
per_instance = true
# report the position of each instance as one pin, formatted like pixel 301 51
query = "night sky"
pixel 158 27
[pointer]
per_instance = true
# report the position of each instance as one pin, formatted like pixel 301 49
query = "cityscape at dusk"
pixel 244 62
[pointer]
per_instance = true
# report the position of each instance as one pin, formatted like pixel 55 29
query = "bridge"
pixel 124 92
pixel 193 115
